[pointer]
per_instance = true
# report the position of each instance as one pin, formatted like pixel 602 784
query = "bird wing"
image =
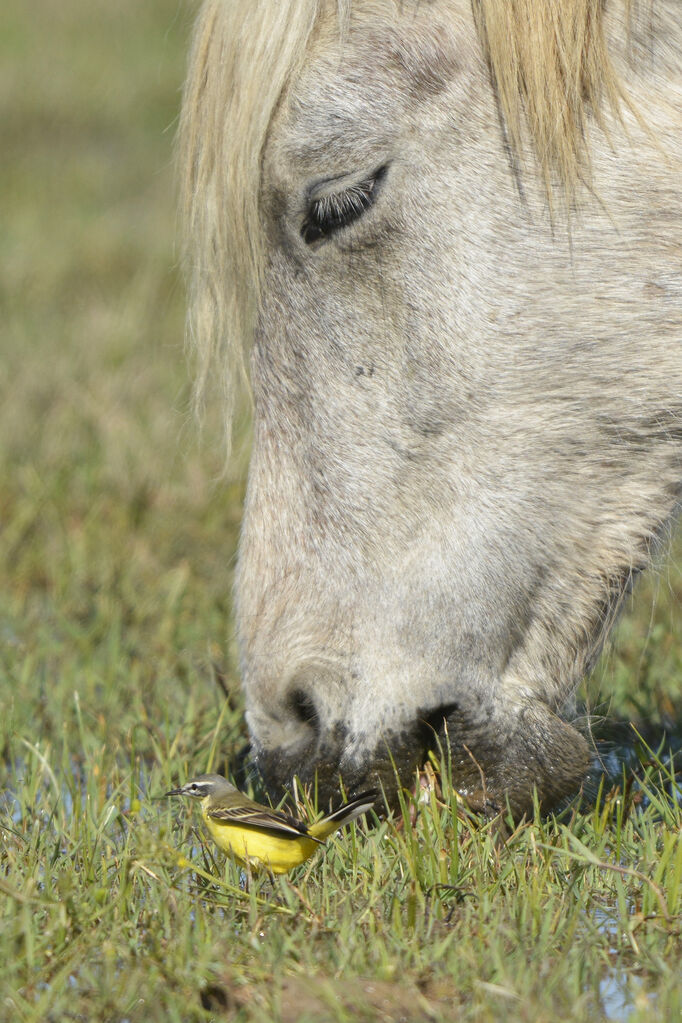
pixel 260 817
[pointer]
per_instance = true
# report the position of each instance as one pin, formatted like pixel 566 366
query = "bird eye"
pixel 332 211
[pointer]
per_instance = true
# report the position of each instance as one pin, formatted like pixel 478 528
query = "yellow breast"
pixel 260 846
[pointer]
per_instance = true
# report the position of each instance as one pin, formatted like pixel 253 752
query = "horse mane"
pixel 550 74
pixel 237 71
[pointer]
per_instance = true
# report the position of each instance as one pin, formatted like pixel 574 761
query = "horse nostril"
pixel 303 709
pixel 434 723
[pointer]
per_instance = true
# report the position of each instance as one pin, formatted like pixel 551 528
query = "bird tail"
pixel 344 815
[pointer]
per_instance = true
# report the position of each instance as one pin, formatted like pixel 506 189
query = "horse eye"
pixel 330 213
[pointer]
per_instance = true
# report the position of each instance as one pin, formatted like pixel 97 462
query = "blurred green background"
pixel 117 535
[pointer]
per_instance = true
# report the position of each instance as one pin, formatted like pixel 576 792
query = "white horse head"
pixel 444 237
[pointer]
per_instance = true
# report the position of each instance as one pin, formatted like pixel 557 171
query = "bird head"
pixel 204 785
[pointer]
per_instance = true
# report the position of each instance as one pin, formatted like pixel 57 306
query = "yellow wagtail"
pixel 255 834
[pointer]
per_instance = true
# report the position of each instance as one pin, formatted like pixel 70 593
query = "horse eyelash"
pixel 331 212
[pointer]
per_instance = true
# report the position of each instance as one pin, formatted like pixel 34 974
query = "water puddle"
pixel 621 994
pixel 623 758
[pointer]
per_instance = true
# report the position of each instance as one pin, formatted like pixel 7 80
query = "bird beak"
pixel 173 792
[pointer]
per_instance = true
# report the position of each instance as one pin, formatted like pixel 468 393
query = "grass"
pixel 117 664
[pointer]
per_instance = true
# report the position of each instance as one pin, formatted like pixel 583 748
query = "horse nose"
pixel 289 722
pixel 303 715
pixel 296 737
